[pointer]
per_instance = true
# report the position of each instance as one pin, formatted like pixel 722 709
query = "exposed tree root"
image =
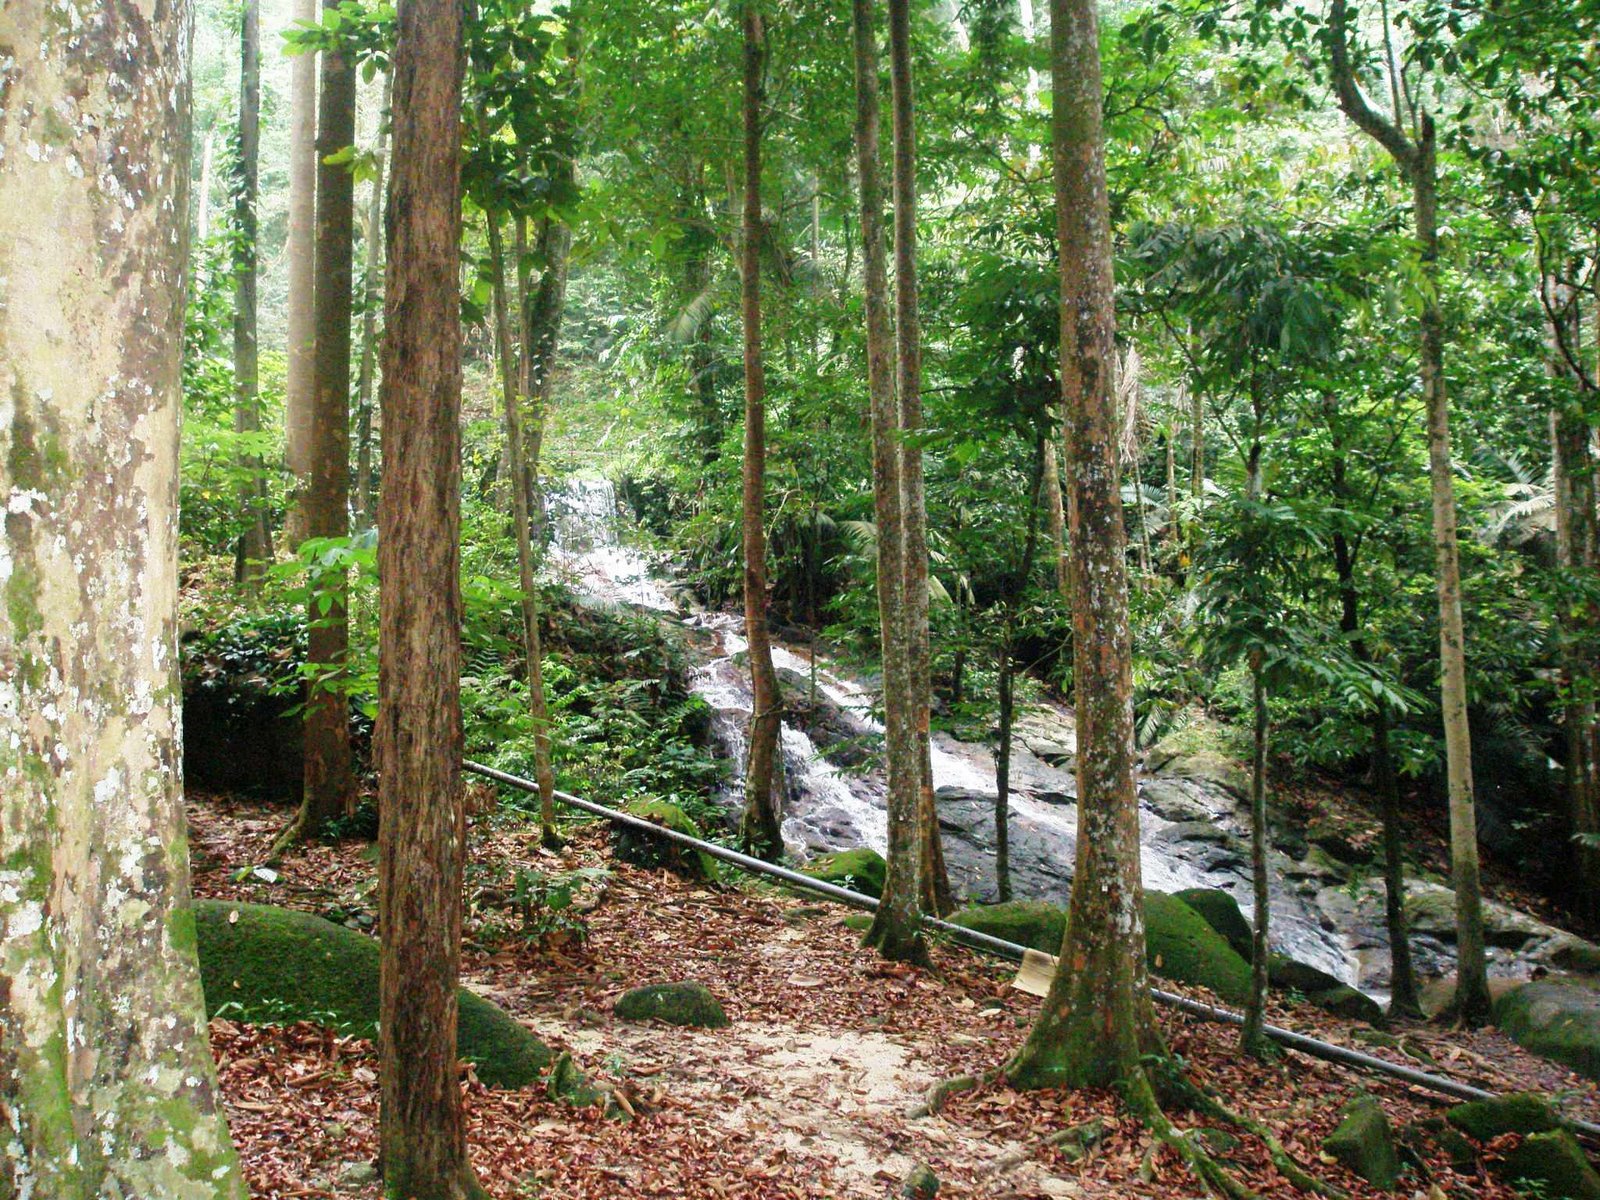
pixel 1075 1142
pixel 943 1090
pixel 1140 1098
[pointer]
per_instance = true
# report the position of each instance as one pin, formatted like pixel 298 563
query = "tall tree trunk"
pixel 1197 469
pixel 366 480
pixel 759 831
pixel 543 308
pixel 254 550
pixel 1255 1010
pixel 933 880
pixel 896 927
pixel 1055 516
pixel 300 385
pixel 106 1078
pixel 329 775
pixel 1578 552
pixel 418 739
pixel 521 498
pixel 1097 1020
pixel 1472 1002
pixel 1417 159
pixel 208 158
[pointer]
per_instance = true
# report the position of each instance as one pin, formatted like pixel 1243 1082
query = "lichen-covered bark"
pixel 418 737
pixel 1097 1019
pixel 894 929
pixel 106 1081
pixel 760 831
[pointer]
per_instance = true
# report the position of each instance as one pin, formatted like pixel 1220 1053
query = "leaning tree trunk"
pixel 1417 159
pixel 521 496
pixel 759 830
pixel 255 537
pixel 300 385
pixel 933 881
pixel 329 774
pixel 895 930
pixel 366 480
pixel 106 1080
pixel 1055 517
pixel 1097 1020
pixel 418 738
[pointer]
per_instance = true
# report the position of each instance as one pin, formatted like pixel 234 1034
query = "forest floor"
pixel 807 1094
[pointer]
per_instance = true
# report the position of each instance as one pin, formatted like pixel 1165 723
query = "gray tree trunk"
pixel 255 537
pixel 106 1079
pixel 300 384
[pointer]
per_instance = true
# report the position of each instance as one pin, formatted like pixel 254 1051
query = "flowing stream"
pixel 1193 830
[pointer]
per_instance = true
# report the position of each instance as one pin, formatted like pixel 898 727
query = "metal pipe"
pixel 1010 950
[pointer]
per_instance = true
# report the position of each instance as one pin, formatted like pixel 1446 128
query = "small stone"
pixel 333 1129
pixel 920 1183
pixel 357 1175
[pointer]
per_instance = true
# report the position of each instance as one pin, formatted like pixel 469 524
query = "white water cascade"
pixel 1190 831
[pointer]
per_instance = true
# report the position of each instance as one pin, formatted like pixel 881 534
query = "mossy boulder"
pixel 1033 923
pixel 567 1084
pixel 1518 1112
pixel 1364 1143
pixel 1556 1018
pixel 1221 911
pixel 685 1003
pixel 1432 1137
pixel 1284 973
pixel 920 1183
pixel 861 869
pixel 264 963
pixel 1551 1165
pixel 1179 944
pixel 646 850
pixel 1344 1001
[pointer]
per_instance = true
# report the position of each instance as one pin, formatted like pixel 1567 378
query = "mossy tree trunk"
pixel 418 737
pixel 329 774
pixel 1097 1019
pixel 1415 152
pixel 759 830
pixel 254 550
pixel 895 930
pixel 106 1079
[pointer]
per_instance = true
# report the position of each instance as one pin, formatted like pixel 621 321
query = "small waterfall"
pixel 1190 842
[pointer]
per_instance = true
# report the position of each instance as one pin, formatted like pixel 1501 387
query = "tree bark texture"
pixel 895 930
pixel 300 385
pixel 329 775
pixel 418 738
pixel 106 1078
pixel 759 831
pixel 933 880
pixel 1097 1019
pixel 255 536
pixel 1055 516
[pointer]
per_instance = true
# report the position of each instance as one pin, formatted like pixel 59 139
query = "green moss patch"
pixel 1364 1143
pixel 275 964
pixel 1518 1112
pixel 1552 1166
pixel 686 1003
pixel 1178 942
pixel 646 850
pixel 1556 1018
pixel 861 870
pixel 1221 911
